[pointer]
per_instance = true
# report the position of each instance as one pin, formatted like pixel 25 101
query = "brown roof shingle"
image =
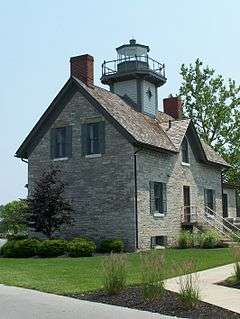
pixel 213 156
pixel 143 129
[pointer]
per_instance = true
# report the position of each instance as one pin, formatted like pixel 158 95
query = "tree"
pixel 14 217
pixel 214 107
pixel 48 210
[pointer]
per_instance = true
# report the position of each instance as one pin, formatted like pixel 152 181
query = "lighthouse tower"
pixel 135 76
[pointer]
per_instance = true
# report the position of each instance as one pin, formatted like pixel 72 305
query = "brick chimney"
pixel 81 67
pixel 173 107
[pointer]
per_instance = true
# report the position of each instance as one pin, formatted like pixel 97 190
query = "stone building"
pixel 132 172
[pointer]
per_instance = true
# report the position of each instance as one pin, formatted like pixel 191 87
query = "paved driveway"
pixel 19 303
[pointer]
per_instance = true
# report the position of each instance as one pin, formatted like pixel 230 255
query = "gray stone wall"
pixel 100 189
pixel 153 166
pixel 232 207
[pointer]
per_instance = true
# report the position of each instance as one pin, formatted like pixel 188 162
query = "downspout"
pixel 222 189
pixel 136 195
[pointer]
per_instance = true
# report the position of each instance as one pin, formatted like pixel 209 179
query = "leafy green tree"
pixel 1 208
pixel 48 209
pixel 214 107
pixel 13 217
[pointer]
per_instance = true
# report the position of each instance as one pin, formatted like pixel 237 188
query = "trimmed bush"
pixel 52 248
pixel 114 273
pixel 210 239
pixel 81 248
pixel 20 248
pixel 16 236
pixel 111 246
pixel 80 239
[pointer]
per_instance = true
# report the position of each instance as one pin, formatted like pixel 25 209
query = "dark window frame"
pixel 225 205
pixel 185 151
pixel 209 200
pixel 93 138
pixel 159 240
pixel 159 197
pixel 61 142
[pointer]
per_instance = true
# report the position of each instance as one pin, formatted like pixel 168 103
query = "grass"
pixel 69 276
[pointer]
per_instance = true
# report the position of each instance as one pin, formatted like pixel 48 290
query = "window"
pixel 93 138
pixel 225 205
pixel 158 241
pixel 185 153
pixel 158 198
pixel 209 201
pixel 61 142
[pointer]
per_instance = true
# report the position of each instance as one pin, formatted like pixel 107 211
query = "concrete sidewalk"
pixel 228 298
pixel 19 303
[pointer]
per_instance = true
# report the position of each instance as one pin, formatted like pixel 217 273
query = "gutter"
pixel 136 196
pixel 23 160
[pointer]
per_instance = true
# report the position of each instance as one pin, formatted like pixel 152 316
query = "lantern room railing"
pixel 126 64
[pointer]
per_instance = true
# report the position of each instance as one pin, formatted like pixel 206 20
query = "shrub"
pixel 52 248
pixel 79 239
pixel 111 245
pixel 189 292
pixel 152 265
pixel 185 240
pixel 17 236
pixel 210 239
pixel 20 248
pixel 81 248
pixel 236 237
pixel 236 255
pixel 114 273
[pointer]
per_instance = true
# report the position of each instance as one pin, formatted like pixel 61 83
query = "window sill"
pixel 185 164
pixel 159 247
pixel 159 215
pixel 60 159
pixel 93 155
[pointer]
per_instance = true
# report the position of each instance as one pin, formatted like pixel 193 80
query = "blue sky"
pixel 39 37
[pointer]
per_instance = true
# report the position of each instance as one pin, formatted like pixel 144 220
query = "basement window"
pixel 158 241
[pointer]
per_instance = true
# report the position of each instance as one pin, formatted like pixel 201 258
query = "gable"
pixel 136 127
pixel 46 120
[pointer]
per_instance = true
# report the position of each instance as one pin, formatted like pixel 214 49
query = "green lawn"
pixel 69 275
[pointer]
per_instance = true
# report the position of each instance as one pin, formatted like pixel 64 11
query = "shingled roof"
pixel 157 133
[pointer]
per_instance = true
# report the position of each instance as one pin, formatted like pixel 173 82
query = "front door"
pixel 186 201
pixel 225 205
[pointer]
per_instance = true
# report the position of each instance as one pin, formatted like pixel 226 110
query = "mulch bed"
pixel 236 286
pixel 169 305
